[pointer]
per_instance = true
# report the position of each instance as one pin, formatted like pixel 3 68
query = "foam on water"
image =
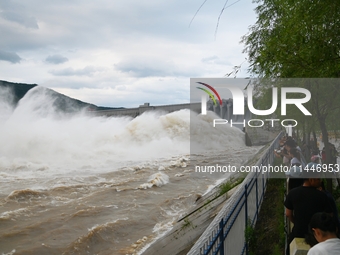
pixel 9 253
pixel 210 187
pixel 157 179
pixel 10 215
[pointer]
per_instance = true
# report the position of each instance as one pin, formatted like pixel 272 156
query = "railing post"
pixel 263 181
pixel 246 213
pixel 257 198
pixel 221 237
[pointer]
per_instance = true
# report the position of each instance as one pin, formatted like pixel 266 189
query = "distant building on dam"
pixel 134 112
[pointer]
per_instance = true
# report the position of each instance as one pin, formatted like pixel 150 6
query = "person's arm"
pixel 277 154
pixel 290 215
pixel 285 154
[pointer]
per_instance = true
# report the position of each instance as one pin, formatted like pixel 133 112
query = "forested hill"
pixel 62 102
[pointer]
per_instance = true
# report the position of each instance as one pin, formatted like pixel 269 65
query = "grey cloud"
pixel 20 18
pixel 9 56
pixel 152 68
pixel 70 82
pixel 86 71
pixel 91 25
pixel 16 13
pixel 56 59
pixel 216 60
pixel 140 70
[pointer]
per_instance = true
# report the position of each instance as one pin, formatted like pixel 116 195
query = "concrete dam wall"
pixel 225 111
pixel 134 112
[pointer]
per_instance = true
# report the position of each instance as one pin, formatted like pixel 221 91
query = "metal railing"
pixel 227 232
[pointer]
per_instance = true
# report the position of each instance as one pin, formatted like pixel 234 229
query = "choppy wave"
pixel 24 195
pixel 10 253
pixel 11 215
pixel 157 179
pixel 100 233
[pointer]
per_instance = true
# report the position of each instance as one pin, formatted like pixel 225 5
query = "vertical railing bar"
pixel 246 213
pixel 221 237
pixel 257 199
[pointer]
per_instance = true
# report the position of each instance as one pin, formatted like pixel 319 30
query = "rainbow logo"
pixel 209 93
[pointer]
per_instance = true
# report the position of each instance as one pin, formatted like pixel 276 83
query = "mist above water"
pixel 36 135
pixel 35 132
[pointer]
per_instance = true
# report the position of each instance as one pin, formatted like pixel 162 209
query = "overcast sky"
pixel 122 53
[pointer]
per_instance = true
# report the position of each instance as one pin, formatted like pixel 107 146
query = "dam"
pixel 253 135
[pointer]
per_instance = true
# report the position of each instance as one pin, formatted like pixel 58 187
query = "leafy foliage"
pixel 295 39
pixel 299 39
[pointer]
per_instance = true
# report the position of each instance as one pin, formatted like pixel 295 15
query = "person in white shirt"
pixel 295 155
pixel 295 163
pixel 324 229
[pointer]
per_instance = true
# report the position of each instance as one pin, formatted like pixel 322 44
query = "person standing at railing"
pixel 296 169
pixel 315 159
pixel 324 230
pixel 286 143
pixel 334 154
pixel 294 177
pixel 283 153
pixel 302 203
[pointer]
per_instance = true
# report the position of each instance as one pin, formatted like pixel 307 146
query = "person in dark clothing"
pixel 334 154
pixel 332 204
pixel 302 203
pixel 295 179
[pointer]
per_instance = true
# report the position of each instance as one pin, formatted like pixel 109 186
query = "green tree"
pixel 299 39
pixel 295 39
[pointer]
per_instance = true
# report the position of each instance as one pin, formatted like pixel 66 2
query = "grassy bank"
pixel 268 236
